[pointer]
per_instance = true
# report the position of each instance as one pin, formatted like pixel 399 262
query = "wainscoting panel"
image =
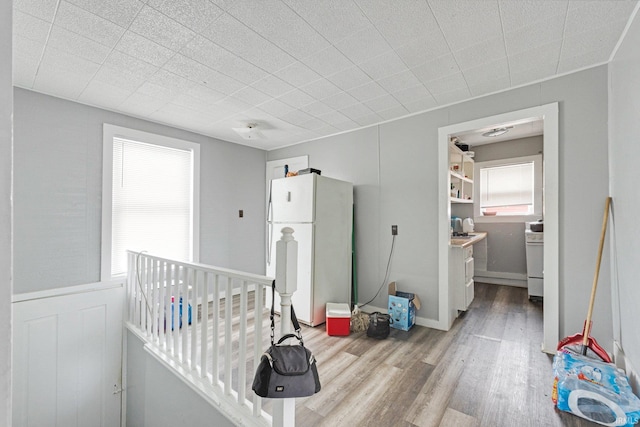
pixel 67 356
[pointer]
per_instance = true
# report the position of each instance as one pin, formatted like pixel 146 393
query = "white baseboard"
pixel 501 278
pixel 420 321
pixel 623 362
pixel 429 323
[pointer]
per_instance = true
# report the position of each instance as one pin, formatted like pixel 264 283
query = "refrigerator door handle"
pixel 270 222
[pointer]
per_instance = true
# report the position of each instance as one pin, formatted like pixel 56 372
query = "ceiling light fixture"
pixel 497 131
pixel 250 131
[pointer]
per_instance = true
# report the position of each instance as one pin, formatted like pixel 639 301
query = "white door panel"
pixel 67 360
pixel 468 269
pixel 292 199
pixel 535 259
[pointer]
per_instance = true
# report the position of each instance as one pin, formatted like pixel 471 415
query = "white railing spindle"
pixel 137 293
pixel 131 285
pixel 242 349
pixel 215 331
pixel 175 329
pixel 162 309
pixel 182 309
pixel 257 347
pixel 149 295
pixel 204 325
pixel 194 316
pixel 143 293
pixel 155 302
pixel 228 300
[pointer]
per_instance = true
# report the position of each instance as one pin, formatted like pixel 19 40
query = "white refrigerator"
pixel 320 210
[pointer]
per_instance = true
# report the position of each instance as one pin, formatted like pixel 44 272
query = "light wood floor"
pixel 488 370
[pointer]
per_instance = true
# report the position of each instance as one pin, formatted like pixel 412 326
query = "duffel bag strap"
pixel 286 337
pixel 296 325
pixel 273 302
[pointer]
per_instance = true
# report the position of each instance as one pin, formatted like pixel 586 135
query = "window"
pixel 509 188
pixel 150 197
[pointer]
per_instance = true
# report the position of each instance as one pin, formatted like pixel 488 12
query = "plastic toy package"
pixel 594 390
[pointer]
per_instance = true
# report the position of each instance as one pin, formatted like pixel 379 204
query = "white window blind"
pixel 509 185
pixel 152 201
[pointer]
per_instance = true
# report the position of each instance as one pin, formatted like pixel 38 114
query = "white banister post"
pixel 284 410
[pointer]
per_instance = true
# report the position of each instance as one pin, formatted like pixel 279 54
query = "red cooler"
pixel 338 319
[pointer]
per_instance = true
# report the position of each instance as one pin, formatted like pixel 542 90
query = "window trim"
pixel 108 133
pixel 537 195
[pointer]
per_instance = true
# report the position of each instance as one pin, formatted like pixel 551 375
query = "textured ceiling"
pixel 515 130
pixel 300 69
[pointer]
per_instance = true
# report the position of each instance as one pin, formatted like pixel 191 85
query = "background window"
pixel 152 198
pixel 507 190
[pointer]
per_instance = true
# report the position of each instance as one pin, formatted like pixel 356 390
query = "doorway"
pixel 549 115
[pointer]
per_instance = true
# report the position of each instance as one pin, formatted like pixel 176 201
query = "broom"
pixel 584 340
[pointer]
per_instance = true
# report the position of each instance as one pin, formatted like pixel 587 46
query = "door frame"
pixel 551 303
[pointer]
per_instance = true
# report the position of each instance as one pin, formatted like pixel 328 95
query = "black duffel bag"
pixel 379 325
pixel 286 370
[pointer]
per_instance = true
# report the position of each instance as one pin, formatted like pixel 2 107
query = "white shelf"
pixel 457 200
pixel 460 175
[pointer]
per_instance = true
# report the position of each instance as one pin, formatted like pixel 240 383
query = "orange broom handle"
pixel 587 325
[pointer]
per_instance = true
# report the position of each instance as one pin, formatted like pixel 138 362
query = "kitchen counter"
pixel 464 242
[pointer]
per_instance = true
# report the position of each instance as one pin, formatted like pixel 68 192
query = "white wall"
pixel 158 398
pixel 521 147
pixel 625 175
pixel 6 155
pixel 402 156
pixel 58 184
pixel 67 358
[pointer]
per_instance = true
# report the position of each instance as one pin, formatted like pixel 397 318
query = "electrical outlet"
pixel 394 230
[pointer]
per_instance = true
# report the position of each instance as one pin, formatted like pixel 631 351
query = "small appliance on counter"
pixel 536 226
pixel 467 225
pixel 456 225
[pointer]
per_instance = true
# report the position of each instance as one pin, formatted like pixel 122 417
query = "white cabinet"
pixel 460 176
pixel 461 276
